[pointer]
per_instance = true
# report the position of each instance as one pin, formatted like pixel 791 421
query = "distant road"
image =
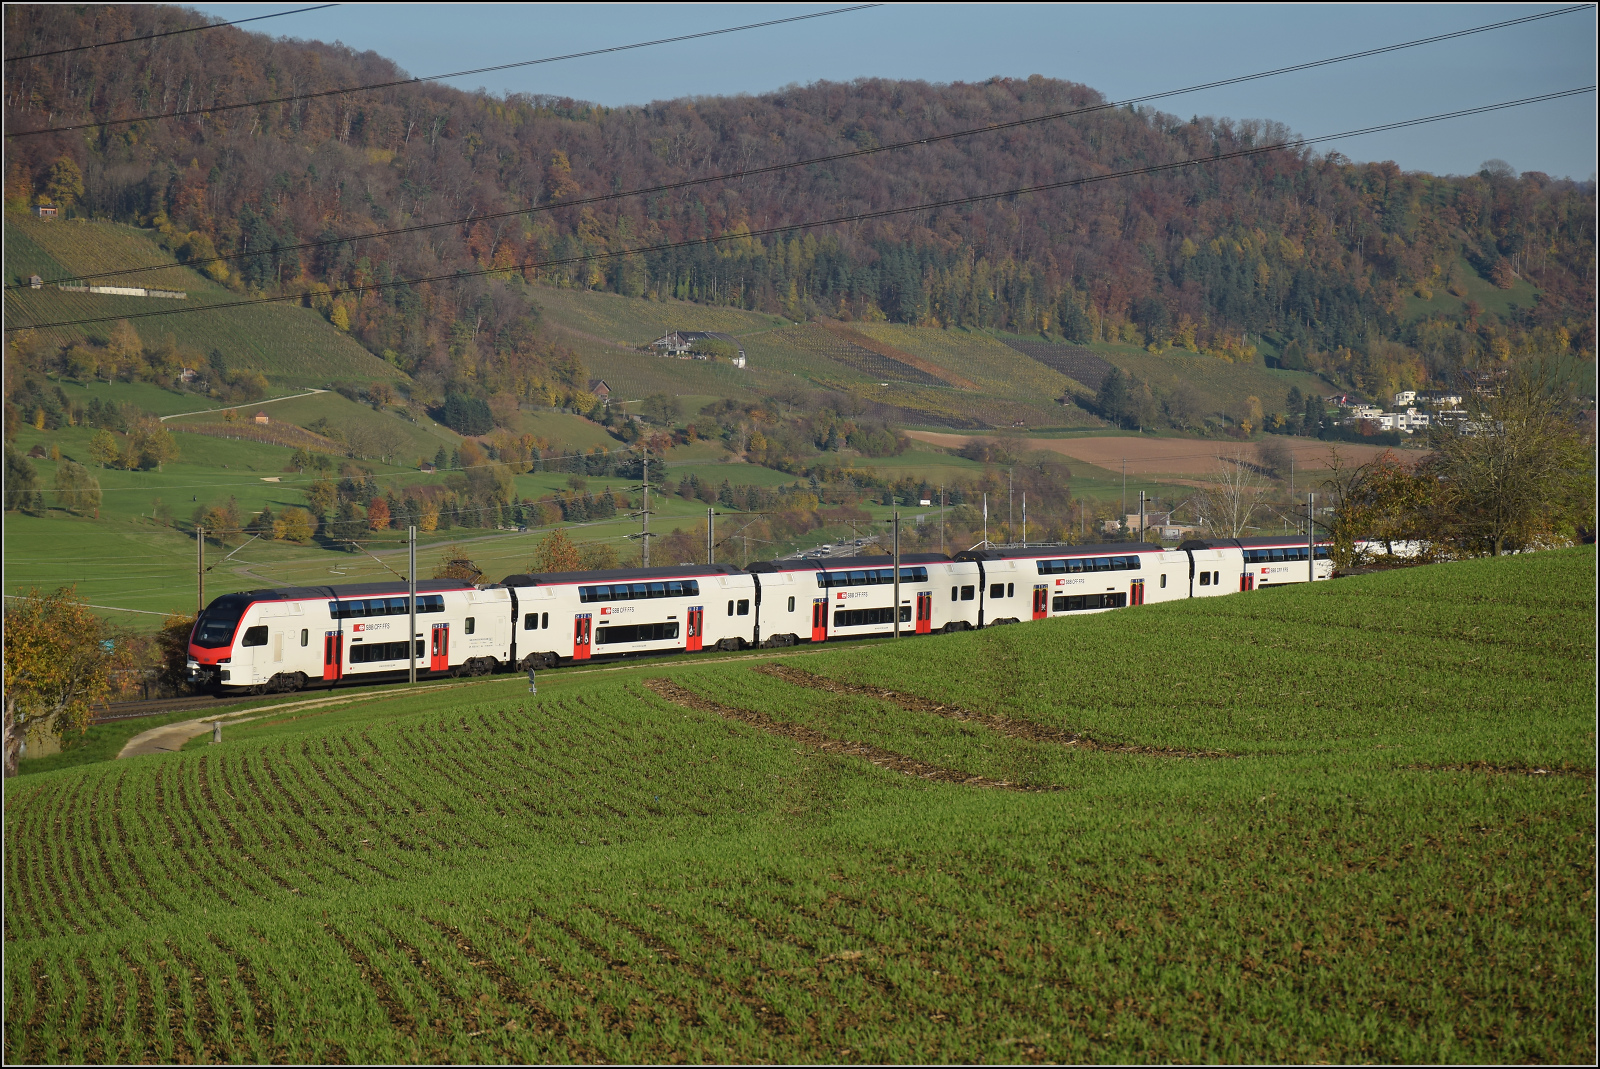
pixel 252 404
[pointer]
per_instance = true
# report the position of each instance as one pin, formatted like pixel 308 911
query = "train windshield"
pixel 216 625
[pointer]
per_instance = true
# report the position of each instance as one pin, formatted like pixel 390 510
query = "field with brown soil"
pixel 1168 456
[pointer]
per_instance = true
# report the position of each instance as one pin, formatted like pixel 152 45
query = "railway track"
pixel 156 706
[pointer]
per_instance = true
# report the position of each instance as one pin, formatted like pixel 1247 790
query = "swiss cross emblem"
pixel 840 595
pixel 605 612
pixel 358 627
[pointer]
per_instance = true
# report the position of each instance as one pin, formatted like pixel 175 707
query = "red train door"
pixel 439 649
pixel 1246 581
pixel 924 611
pixel 581 634
pixel 697 624
pixel 819 619
pixel 332 655
pixel 1136 592
pixel 1041 601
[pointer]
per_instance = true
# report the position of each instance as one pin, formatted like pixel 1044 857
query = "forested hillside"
pixel 1375 277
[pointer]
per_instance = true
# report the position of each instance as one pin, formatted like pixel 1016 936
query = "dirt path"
pixel 1010 728
pixel 1166 456
pixel 888 759
pixel 169 738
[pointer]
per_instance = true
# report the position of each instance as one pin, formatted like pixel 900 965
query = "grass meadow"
pixel 289 345
pixel 1353 822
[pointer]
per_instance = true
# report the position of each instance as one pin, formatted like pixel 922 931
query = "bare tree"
pixel 1226 504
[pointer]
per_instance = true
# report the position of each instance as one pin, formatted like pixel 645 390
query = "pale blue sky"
pixel 1121 50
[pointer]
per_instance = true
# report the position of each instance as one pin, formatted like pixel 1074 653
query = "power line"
pixel 829 158
pixel 790 228
pixel 166 33
pixel 198 111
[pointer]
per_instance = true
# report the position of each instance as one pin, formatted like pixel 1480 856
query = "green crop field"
pixel 633 321
pixel 290 345
pixel 1353 822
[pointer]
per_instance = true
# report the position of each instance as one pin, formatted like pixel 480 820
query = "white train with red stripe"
pixel 286 639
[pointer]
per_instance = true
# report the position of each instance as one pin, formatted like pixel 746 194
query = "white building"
pixel 684 344
pixel 1408 422
pixel 1404 398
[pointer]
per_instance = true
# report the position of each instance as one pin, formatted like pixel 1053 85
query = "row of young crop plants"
pixel 989 935
pixel 116 846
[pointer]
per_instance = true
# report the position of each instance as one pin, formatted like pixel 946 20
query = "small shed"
pixel 600 389
pixel 262 417
pixel 36 282
pixel 45 211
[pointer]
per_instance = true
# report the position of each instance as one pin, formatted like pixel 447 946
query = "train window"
pixel 1322 552
pixel 635 633
pixel 305 637
pixel 686 588
pixel 1011 589
pixel 1163 582
pixel 791 604
pixel 544 619
pixel 952 593
pixel 730 608
pixel 874 577
pixel 1277 556
pixel 1216 578
pixel 997 590
pixel 255 636
pixel 530 622
pixel 744 607
pixel 1103 564
pixel 472 625
pixel 968 593
pixel 1205 578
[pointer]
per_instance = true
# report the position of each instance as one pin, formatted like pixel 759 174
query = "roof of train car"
pixel 345 590
pixel 1245 543
pixel 1104 549
pixel 844 564
pixel 677 571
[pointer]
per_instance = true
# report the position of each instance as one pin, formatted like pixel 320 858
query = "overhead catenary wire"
pixel 857 217
pixel 165 33
pixel 754 172
pixel 198 111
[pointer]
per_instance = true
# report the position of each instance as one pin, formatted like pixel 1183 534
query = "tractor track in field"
pixel 888 759
pixel 1009 727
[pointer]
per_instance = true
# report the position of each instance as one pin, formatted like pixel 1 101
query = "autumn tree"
pixel 378 515
pixel 295 525
pixel 172 647
pixel 104 448
pixel 556 553
pixel 458 568
pixel 65 184
pixel 58 663
pixel 22 484
pixel 76 490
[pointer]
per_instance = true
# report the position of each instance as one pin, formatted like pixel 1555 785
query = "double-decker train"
pixel 293 637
